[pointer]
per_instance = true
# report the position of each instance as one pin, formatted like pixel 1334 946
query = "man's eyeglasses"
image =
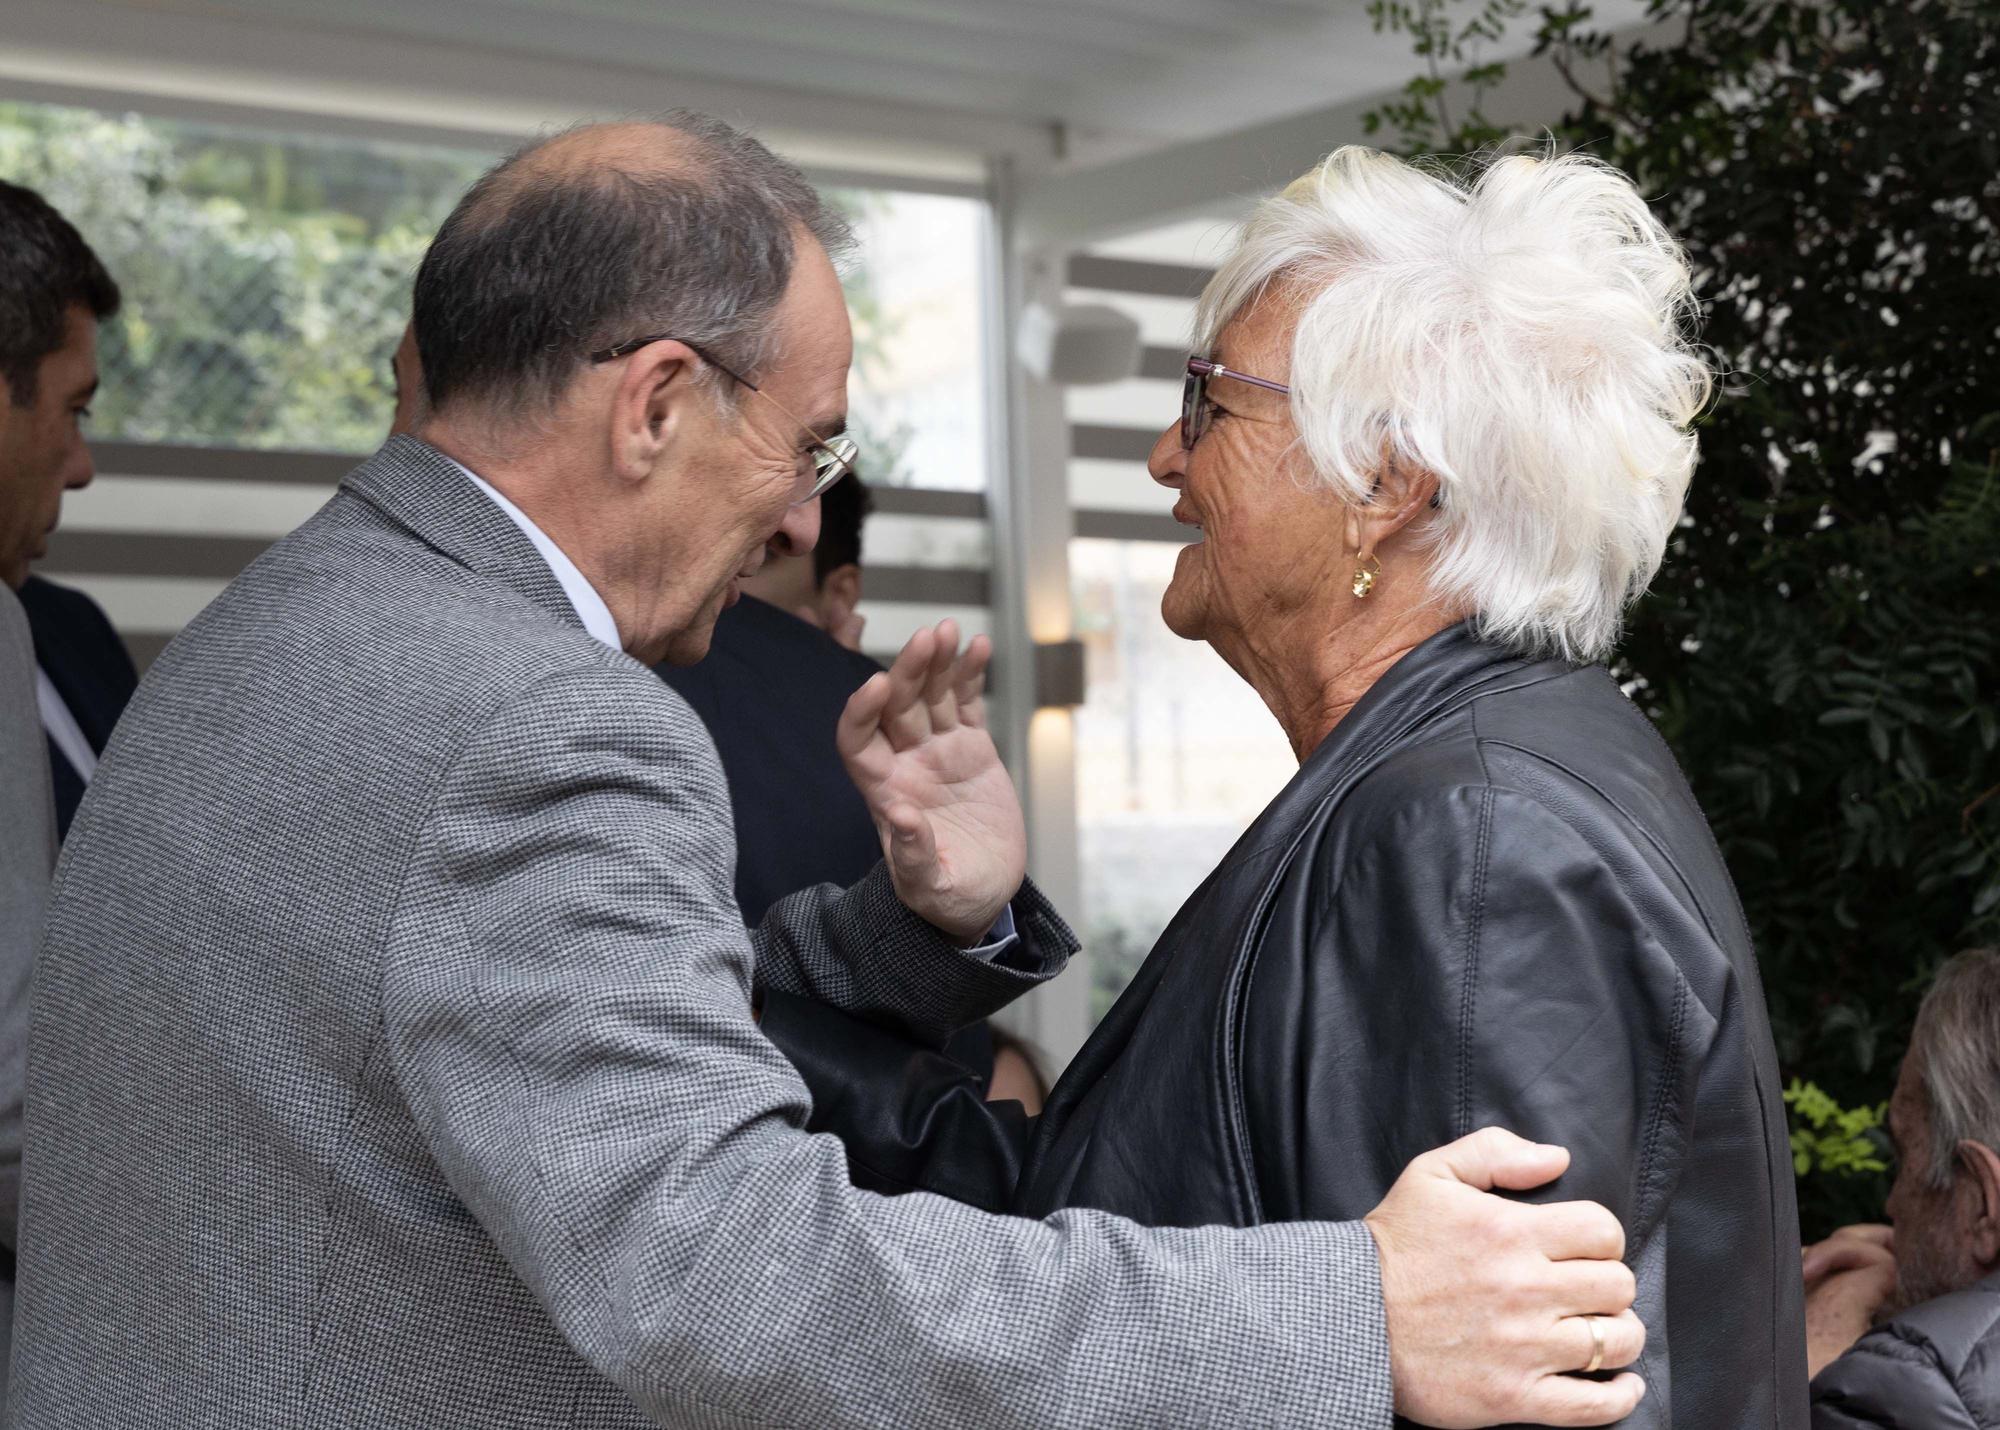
pixel 1194 395
pixel 832 457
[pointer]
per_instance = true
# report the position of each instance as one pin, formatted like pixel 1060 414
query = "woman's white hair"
pixel 1518 327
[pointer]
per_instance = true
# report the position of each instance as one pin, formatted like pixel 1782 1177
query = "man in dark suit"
pixel 779 670
pixel 53 294
pixel 86 666
pixel 770 691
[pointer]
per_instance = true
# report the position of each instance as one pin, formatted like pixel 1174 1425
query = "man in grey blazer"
pixel 27 856
pixel 394 1061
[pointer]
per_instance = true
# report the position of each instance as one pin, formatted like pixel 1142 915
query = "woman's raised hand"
pixel 915 744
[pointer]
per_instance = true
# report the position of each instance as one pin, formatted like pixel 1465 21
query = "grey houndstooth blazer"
pixel 27 854
pixel 393 1066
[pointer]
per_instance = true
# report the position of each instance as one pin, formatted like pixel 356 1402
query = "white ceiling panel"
pixel 1051 83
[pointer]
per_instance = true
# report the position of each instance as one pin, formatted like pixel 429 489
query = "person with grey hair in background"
pixel 1929 1284
pixel 394 1059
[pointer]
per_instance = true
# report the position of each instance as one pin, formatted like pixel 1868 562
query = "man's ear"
pixel 839 594
pixel 1982 1165
pixel 658 388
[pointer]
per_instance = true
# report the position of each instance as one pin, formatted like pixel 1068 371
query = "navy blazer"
pixel 89 667
pixel 771 691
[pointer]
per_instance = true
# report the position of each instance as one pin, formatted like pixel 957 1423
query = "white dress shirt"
pixel 589 606
pixel 62 727
pixel 596 618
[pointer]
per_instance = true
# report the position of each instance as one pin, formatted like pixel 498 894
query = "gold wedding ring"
pixel 1596 1344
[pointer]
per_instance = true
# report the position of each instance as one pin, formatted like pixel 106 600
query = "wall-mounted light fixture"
pixel 1078 344
pixel 1058 674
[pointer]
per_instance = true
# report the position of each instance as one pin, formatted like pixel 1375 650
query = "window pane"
pixel 1175 756
pixel 266 276
pixel 917 391
pixel 267 280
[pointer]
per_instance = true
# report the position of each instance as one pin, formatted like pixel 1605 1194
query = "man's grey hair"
pixel 541 264
pixel 1957 1047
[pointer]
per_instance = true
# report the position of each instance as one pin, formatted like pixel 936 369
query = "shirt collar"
pixel 590 607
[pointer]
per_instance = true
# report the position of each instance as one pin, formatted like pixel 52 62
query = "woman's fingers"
pixel 861 720
pixel 905 717
pixel 969 681
pixel 939 699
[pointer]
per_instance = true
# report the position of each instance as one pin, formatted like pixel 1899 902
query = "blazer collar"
pixel 1437 677
pixel 424 491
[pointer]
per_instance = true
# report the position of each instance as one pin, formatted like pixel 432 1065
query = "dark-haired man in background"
pixel 53 294
pixel 64 675
pixel 771 691
pixel 824 590
pixel 778 673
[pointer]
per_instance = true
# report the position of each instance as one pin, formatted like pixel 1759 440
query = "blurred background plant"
pixel 1820 647
pixel 267 280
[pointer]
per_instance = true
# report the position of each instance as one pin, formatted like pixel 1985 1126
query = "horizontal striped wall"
pixel 164 528
pixel 1112 428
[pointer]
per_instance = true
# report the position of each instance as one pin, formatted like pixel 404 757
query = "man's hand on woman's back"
pixel 1490 1301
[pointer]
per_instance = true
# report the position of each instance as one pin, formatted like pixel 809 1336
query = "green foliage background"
pixel 267 277
pixel 1820 648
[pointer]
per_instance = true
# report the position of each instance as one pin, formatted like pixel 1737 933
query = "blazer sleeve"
pixel 566 1008
pixel 859 950
pixel 27 857
pixel 911 1118
pixel 1511 982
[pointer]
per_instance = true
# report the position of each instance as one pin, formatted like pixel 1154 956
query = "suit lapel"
pixel 81 657
pixel 425 492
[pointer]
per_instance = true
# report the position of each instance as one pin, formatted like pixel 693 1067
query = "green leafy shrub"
pixel 1820 647
pixel 1840 1154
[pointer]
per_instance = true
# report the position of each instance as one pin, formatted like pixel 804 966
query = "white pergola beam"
pixel 1075 207
pixel 356 81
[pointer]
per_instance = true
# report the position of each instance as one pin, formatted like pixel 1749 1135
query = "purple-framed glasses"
pixel 1194 395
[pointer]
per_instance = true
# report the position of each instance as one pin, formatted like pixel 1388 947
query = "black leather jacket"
pixel 1487 898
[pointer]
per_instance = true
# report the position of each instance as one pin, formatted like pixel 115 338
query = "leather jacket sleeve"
pixel 1472 961
pixel 912 1118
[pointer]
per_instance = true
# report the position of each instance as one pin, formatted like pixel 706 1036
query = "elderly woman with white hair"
pixel 1435 443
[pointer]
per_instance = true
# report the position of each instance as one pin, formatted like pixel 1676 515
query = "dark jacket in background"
pixel 89 667
pixel 1488 897
pixel 771 690
pixel 1934 1367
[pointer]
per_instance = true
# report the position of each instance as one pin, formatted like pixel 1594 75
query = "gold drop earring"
pixel 1367 568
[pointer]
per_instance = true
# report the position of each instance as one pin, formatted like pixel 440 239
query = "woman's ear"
pixel 1403 492
pixel 1982 1166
